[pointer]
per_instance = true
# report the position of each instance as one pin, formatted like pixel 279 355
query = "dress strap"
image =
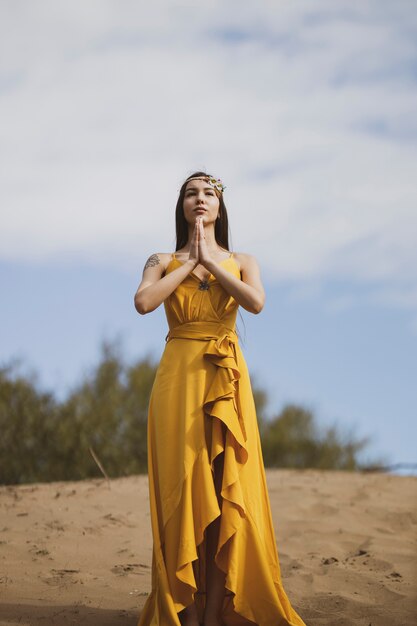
pixel 231 254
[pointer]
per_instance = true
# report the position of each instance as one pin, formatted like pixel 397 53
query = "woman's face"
pixel 200 199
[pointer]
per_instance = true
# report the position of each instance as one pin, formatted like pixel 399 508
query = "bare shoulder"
pixel 245 261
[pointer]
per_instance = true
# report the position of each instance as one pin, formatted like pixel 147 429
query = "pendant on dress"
pixel 204 285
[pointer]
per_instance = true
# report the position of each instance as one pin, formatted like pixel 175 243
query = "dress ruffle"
pixel 221 404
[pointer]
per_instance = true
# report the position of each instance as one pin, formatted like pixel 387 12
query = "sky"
pixel 306 111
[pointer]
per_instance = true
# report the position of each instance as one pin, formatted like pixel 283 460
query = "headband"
pixel 214 182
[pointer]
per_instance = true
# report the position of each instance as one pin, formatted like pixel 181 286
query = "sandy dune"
pixel 80 553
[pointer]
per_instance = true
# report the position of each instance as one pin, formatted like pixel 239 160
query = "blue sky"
pixel 306 112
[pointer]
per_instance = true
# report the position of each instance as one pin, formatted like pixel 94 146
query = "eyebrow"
pixel 205 188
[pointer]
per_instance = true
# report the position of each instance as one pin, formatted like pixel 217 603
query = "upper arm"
pixel 153 270
pixel 250 273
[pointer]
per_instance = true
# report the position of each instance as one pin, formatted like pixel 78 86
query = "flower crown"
pixel 214 182
pixel 217 183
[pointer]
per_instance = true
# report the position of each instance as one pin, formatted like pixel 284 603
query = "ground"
pixel 80 552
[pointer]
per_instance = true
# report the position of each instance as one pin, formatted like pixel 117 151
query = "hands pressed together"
pixel 199 252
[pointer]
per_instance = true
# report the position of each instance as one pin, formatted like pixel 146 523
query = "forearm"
pixel 149 298
pixel 248 297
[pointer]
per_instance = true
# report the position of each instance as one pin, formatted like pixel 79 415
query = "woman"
pixel 214 554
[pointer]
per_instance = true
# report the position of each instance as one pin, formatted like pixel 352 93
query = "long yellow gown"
pixel 202 404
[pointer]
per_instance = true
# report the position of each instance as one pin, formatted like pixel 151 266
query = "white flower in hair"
pixel 217 183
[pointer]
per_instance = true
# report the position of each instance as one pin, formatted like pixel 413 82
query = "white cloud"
pixel 306 114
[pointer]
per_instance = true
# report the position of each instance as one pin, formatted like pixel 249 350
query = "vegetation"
pixel 293 439
pixel 106 416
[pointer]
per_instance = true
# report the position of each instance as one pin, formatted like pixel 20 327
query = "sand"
pixel 80 552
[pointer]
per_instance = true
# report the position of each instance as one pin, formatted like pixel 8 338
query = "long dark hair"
pixel 221 228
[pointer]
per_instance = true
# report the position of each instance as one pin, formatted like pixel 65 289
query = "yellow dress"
pixel 202 382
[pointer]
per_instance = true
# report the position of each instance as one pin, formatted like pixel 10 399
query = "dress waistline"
pixel 203 331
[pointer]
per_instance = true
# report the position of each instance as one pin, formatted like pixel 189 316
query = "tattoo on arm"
pixel 152 260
